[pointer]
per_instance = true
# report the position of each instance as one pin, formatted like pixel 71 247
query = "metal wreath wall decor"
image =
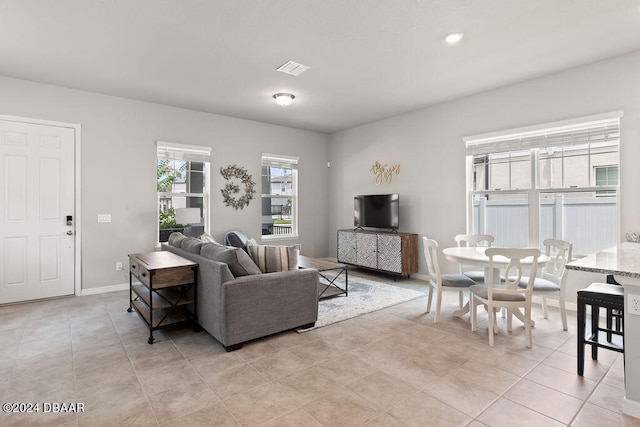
pixel 231 189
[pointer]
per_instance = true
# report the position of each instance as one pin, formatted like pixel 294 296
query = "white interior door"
pixel 37 194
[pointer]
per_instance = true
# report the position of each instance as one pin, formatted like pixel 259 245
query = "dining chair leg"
pixel 563 314
pixel 429 299
pixel 527 325
pixel 509 319
pixel 460 299
pixel 545 311
pixel 492 320
pixel 472 314
pixel 438 305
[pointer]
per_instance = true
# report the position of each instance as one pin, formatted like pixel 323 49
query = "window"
pixel 279 196
pixel 183 189
pixel 606 175
pixel 558 181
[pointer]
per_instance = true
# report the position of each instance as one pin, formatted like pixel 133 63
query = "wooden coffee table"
pixel 329 287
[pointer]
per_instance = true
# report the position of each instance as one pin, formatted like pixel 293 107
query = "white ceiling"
pixel 370 59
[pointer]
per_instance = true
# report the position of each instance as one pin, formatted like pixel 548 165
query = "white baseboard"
pixel 105 289
pixel 631 407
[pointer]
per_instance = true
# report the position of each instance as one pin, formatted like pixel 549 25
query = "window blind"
pixel 190 153
pixel 280 161
pixel 601 131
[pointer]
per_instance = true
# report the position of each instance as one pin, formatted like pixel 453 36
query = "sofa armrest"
pixel 264 304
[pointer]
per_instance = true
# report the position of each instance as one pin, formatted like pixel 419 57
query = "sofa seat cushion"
pixel 271 258
pixel 240 264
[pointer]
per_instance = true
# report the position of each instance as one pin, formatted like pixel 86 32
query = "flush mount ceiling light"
pixel 284 99
pixel 453 38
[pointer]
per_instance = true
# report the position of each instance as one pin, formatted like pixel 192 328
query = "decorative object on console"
pixel 187 217
pixel 384 172
pixel 231 188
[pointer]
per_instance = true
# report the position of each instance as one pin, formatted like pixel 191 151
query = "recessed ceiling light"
pixel 453 38
pixel 284 99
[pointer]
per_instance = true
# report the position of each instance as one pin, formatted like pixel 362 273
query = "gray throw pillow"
pixel 191 244
pixel 240 264
pixel 208 238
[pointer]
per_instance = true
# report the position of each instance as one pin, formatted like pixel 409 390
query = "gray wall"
pixel 428 146
pixel 119 171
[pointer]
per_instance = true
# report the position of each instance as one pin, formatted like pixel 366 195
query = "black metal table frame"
pixel 332 281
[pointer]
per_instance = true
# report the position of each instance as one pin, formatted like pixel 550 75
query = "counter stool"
pixel 611 298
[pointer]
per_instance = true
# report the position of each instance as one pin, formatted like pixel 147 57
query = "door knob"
pixel 69 233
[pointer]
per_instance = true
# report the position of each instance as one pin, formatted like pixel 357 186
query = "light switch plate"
pixel 104 217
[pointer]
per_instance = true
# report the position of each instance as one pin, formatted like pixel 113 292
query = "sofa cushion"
pixel 191 244
pixel 176 238
pixel 271 258
pixel 237 259
pixel 208 238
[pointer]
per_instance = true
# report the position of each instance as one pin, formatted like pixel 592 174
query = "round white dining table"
pixel 475 255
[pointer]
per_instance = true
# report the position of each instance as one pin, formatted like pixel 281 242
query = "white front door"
pixel 37 191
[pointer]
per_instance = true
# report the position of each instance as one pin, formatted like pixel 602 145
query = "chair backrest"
pixel 236 238
pixel 474 239
pixel 559 251
pixel 430 248
pixel 514 271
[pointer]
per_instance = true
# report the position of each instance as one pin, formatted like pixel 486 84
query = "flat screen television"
pixel 376 211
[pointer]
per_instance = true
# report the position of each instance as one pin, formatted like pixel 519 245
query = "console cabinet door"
pixel 390 253
pixel 347 247
pixel 366 248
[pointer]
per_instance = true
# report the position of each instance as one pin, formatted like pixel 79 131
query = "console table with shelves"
pixel 388 252
pixel 162 285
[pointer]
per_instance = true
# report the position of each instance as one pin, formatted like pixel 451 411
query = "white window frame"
pixel 534 138
pixel 281 161
pixel 191 153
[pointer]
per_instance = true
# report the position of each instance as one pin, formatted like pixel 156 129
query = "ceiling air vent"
pixel 293 68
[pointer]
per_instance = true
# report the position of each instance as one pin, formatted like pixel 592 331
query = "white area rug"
pixel 365 296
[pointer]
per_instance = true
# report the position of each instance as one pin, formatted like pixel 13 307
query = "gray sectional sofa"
pixel 238 303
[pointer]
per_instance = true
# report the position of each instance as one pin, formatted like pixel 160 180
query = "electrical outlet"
pixel 633 304
pixel 118 266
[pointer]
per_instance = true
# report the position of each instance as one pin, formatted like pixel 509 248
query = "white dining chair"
pixel 507 294
pixel 463 240
pixel 551 283
pixel 441 282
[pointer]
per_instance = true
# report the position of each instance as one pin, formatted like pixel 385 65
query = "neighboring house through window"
pixel 279 196
pixel 552 181
pixel 183 189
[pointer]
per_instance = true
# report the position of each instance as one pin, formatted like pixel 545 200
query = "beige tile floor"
pixel 394 367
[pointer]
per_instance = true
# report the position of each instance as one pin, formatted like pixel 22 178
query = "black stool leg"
pixel 581 327
pixel 595 325
pixel 609 324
